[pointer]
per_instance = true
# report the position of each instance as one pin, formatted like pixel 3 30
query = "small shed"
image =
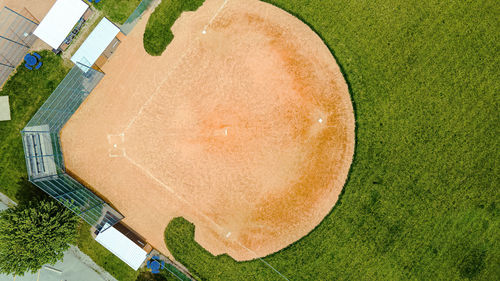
pixel 95 44
pixel 59 21
pixel 4 108
pixel 122 247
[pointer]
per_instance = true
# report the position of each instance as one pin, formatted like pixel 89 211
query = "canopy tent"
pixel 96 43
pixel 122 247
pixel 59 21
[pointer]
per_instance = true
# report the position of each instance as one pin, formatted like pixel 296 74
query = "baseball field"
pixel 421 201
pixel 210 158
pixel 244 126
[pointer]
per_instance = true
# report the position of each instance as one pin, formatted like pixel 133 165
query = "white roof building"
pixel 59 21
pixel 96 43
pixel 122 247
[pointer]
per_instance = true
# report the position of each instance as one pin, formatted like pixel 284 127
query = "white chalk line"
pixel 215 15
pixel 192 206
pixel 146 171
pixel 162 82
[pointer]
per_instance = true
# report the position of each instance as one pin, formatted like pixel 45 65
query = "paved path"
pixel 3 206
pixel 75 266
pixel 5 202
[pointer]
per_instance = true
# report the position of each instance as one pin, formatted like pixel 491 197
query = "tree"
pixel 34 234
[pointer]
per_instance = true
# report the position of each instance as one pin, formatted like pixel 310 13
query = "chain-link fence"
pixel 42 148
pixel 135 16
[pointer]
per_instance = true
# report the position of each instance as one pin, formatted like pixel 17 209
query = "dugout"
pixel 62 23
pixel 124 244
pixel 101 42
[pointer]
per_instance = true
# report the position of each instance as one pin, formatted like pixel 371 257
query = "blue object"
pixel 30 59
pixel 155 265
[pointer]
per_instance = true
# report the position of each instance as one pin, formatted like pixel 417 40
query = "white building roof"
pixel 59 21
pixel 4 108
pixel 122 247
pixel 96 43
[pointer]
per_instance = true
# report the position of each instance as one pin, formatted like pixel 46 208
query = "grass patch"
pixel 117 11
pixel 158 34
pixel 27 91
pixel 179 237
pixel 102 256
pixel 421 200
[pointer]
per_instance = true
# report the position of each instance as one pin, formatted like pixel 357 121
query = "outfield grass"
pixel 117 11
pixel 27 91
pixel 158 34
pixel 422 199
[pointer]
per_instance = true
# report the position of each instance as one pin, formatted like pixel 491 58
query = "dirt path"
pixel 246 130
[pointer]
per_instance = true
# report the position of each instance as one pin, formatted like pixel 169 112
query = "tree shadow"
pixel 28 192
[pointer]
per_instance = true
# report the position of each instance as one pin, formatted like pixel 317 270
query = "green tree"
pixel 34 234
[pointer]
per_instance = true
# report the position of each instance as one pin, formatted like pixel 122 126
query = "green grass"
pixel 102 256
pixel 158 34
pixel 117 11
pixel 27 91
pixel 422 199
pixel 162 276
pixel 171 272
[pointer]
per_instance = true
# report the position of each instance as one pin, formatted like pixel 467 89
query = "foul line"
pixel 193 207
pixel 215 15
pixel 156 90
pixel 173 68
pixel 146 171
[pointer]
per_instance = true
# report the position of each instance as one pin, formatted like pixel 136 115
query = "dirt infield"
pixel 246 130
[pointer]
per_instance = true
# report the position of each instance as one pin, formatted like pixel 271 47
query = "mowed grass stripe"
pixel 422 198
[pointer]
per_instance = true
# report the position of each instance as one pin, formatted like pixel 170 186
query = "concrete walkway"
pixel 6 202
pixel 75 266
pixel 3 206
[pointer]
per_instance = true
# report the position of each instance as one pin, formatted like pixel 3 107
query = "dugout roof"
pixel 124 248
pixel 96 43
pixel 59 21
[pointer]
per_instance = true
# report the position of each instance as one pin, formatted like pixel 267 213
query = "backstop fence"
pixel 42 149
pixel 16 38
pixel 132 20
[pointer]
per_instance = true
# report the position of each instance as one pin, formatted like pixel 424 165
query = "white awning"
pixel 96 43
pixel 122 247
pixel 59 21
